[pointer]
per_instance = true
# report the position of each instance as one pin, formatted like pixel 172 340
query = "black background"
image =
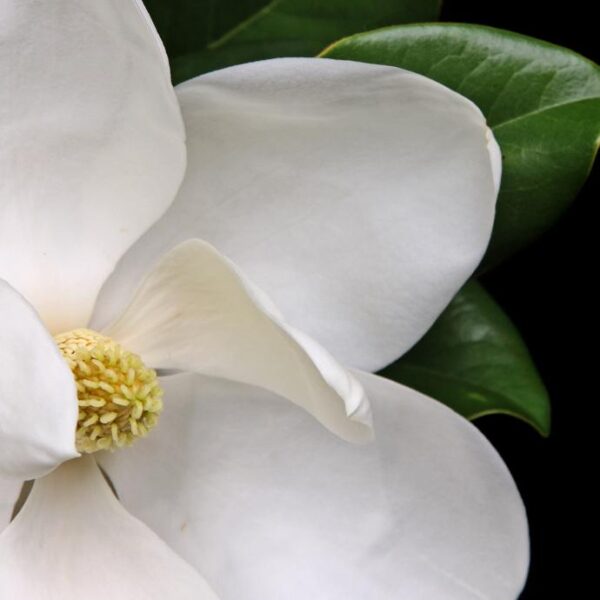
pixel 548 291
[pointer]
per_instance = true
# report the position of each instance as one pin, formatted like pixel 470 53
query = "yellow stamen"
pixel 119 397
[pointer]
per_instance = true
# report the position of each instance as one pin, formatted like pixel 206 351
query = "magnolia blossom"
pixel 359 198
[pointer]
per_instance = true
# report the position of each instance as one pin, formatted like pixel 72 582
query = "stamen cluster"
pixel 119 397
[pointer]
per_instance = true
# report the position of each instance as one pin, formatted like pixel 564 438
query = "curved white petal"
pixel 73 540
pixel 359 197
pixel 38 399
pixel 92 146
pixel 195 312
pixel 268 505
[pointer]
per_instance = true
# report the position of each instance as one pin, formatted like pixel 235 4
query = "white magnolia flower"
pixel 359 198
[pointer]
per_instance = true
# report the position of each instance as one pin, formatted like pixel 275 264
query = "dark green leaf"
pixel 474 360
pixel 203 36
pixel 542 102
pixel 191 25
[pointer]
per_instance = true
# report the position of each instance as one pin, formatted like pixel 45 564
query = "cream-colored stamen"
pixel 119 397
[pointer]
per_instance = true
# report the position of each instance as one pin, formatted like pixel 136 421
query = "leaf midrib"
pixel 543 110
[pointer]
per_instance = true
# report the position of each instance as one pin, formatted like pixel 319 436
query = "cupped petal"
pixel 72 539
pixel 196 312
pixel 268 505
pixel 92 146
pixel 359 197
pixel 38 399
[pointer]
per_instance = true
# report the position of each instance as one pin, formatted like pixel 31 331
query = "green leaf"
pixel 191 25
pixel 541 101
pixel 203 36
pixel 474 360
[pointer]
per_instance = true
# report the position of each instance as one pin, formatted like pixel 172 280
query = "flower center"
pixel 119 397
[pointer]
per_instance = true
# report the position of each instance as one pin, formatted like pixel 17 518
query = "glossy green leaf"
pixel 204 35
pixel 542 102
pixel 474 360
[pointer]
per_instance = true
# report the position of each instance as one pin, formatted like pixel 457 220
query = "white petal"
pixel 38 399
pixel 73 540
pixel 92 146
pixel 359 197
pixel 268 505
pixel 195 312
